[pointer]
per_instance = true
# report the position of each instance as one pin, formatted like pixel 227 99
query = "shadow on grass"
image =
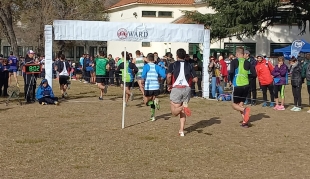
pixel 199 126
pixel 137 124
pixel 258 117
pixel 166 116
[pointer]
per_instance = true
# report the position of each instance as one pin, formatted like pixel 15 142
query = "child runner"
pixel 296 82
pixel 13 62
pixel 279 74
pixel 306 75
pixel 139 62
pixel 239 75
pixel 100 64
pixel 179 79
pixel 45 94
pixel 63 67
pixel 131 69
pixel 149 79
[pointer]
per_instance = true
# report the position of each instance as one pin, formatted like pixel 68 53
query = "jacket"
pixel 295 70
pixel 263 70
pixel 4 71
pixel 280 74
pixel 44 91
pixel 304 71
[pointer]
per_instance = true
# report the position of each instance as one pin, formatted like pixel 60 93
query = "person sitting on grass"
pixel 45 94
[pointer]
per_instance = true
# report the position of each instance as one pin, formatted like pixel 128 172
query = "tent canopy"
pixel 305 48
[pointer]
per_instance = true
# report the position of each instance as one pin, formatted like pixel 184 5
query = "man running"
pixel 13 62
pixel 149 79
pixel 131 69
pixel 239 75
pixel 63 68
pixel 101 72
pixel 139 62
pixel 179 79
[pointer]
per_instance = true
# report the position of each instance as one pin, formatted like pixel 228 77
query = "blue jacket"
pixel 41 91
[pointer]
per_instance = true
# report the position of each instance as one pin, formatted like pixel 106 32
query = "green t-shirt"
pixel 101 64
pixel 121 60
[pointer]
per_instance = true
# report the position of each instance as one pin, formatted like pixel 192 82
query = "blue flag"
pixel 296 47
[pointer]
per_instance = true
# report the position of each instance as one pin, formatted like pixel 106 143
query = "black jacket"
pixel 296 78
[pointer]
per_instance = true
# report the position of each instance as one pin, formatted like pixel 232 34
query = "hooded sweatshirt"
pixel 44 91
pixel 280 74
pixel 264 70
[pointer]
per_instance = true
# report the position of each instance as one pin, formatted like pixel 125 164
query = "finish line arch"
pixel 125 31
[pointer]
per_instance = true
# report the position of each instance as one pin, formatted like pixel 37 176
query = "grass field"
pixel 82 138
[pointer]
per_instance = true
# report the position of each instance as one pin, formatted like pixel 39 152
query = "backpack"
pixel 308 72
pixel 224 97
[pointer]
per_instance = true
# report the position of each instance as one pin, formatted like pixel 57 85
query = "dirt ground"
pixel 82 138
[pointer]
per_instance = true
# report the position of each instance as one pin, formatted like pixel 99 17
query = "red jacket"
pixel 263 70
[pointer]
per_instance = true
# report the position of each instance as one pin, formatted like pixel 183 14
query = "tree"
pixel 247 18
pixel 34 14
pixel 7 12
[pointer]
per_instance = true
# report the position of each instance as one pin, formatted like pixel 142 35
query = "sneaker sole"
pixel 246 117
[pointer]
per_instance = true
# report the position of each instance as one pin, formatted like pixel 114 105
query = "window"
pixel 164 14
pixel 79 51
pixel 146 44
pixel 251 47
pixel 20 51
pixel 193 48
pixel 274 46
pixel 93 51
pixel 69 53
pixel 28 48
pixel 6 51
pixel 104 49
pixel 148 13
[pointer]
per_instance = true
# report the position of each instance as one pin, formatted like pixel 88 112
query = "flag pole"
pixel 124 88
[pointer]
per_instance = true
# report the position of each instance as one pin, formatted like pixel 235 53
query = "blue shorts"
pixel 12 70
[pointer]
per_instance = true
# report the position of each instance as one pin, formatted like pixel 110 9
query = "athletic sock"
pixel 152 110
pixel 150 103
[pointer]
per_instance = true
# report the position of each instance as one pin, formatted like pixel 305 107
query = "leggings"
pixel 297 95
pixel 252 90
pixel 48 100
pixel 270 88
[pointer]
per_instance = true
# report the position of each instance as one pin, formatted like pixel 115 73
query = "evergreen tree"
pixel 249 17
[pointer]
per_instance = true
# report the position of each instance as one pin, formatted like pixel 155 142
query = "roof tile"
pixel 176 2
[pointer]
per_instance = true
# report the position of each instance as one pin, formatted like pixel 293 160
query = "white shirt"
pixel 64 71
pixel 227 60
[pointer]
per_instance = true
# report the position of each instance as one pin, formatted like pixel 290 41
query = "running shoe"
pixel 156 102
pixel 264 104
pixel 56 103
pixel 271 104
pixel 281 108
pixel 276 107
pixel 181 134
pixel 293 109
pixel 43 103
pixel 246 114
pixel 297 109
pixel 100 98
pixel 244 125
pixel 246 102
pixel 187 111
pixel 308 111
pixel 152 118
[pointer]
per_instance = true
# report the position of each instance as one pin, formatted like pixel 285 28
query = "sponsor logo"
pixel 132 35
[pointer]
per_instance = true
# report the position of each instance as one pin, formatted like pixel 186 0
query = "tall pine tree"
pixel 248 17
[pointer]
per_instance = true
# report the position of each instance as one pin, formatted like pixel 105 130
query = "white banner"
pixel 120 31
pixel 48 34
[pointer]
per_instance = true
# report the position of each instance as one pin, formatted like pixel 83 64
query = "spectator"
pixel 45 94
pixel 306 75
pixel 197 65
pixel 296 82
pixel 252 80
pixel 112 66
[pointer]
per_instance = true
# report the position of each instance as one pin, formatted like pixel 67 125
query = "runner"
pixel 63 68
pixel 129 78
pixel 13 62
pixel 149 79
pixel 139 62
pixel 179 79
pixel 239 70
pixel 101 72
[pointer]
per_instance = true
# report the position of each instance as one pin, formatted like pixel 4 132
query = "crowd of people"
pixel 154 75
